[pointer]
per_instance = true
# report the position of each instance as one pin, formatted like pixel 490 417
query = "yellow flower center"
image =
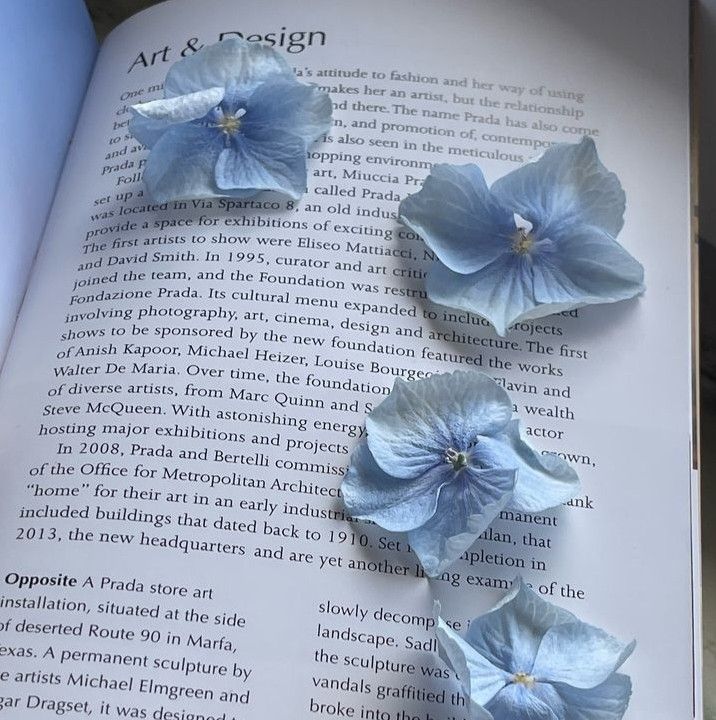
pixel 522 678
pixel 230 124
pixel 522 241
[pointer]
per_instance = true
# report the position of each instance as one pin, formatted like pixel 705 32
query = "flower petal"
pixel 480 679
pixel 607 701
pixel 150 119
pixel 509 636
pixel 550 697
pixel 415 425
pixel 273 161
pixel 232 60
pixel 458 218
pixel 588 267
pixel 466 507
pixel 394 503
pixel 517 702
pixel 295 108
pixel 181 164
pixel 543 481
pixel 236 97
pixel 579 654
pixel 567 185
pixel 501 292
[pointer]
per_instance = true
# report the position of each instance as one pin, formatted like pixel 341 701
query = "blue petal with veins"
pixel 442 458
pixel 527 659
pixel 234 122
pixel 540 241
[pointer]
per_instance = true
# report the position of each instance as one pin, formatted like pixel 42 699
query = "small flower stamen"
pixel 230 124
pixel 457 458
pixel 522 678
pixel 522 241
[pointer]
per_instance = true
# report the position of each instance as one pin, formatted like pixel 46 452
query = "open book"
pixel 186 382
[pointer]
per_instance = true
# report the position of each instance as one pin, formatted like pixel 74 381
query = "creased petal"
pixel 291 107
pixel 510 634
pixel 420 420
pixel 466 507
pixel 501 292
pixel 395 504
pixel 236 97
pixel 550 697
pixel 516 702
pixel 276 161
pixel 181 164
pixel 588 267
pixel 607 701
pixel 181 109
pixel 231 60
pixel 480 679
pixel 150 119
pixel 579 654
pixel 543 481
pixel 567 185
pixel 458 218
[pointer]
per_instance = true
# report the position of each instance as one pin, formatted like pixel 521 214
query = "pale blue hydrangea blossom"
pixel 234 121
pixel 442 458
pixel 527 659
pixel 540 240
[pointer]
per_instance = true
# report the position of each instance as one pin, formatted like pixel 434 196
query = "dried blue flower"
pixel 234 121
pixel 527 659
pixel 443 457
pixel 539 241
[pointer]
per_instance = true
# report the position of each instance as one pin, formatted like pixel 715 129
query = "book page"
pixel 42 99
pixel 187 381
